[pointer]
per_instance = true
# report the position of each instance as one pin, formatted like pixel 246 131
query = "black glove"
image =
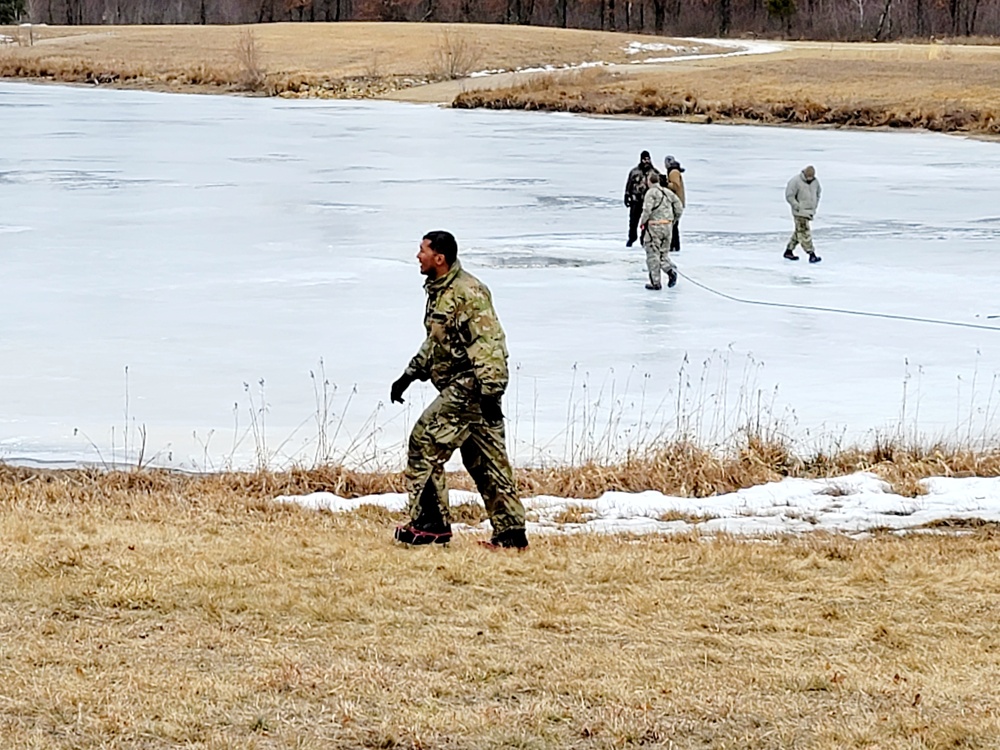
pixel 628 203
pixel 492 411
pixel 399 388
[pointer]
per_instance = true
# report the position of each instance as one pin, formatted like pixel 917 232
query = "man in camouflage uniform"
pixel 635 191
pixel 465 357
pixel 660 209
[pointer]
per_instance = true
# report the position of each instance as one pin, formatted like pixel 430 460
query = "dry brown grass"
pixel 251 74
pixel 456 54
pixel 140 613
pixel 336 59
pixel 682 469
pixel 939 88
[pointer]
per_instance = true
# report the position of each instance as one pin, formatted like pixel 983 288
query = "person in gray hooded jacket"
pixel 802 193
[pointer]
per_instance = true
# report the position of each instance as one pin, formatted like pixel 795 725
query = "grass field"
pixel 138 612
pixel 943 88
pixel 374 57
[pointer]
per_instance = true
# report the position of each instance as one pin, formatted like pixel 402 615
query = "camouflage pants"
pixel 802 235
pixel 657 242
pixel 454 420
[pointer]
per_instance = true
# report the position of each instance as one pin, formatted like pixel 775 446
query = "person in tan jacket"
pixel 675 182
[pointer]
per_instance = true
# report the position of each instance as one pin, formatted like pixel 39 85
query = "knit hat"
pixel 671 163
pixel 644 155
pixel 809 172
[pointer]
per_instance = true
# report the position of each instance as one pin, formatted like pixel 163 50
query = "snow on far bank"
pixel 853 504
pixel 540 69
pixel 738 47
pixel 636 48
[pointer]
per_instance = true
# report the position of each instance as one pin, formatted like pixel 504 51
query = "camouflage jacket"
pixel 660 204
pixel 465 343
pixel 636 184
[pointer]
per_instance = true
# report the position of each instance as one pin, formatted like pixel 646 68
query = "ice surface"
pixel 207 244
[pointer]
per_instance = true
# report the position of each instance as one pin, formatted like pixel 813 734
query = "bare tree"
pixel 659 15
pixel 881 21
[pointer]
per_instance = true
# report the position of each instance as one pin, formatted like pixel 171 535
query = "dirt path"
pixel 446 91
pixel 744 53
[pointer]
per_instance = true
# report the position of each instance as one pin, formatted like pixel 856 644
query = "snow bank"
pixel 852 504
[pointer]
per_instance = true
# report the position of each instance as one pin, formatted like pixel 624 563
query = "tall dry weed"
pixel 251 74
pixel 455 55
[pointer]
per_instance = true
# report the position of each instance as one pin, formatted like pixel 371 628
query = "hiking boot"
pixel 509 539
pixel 630 243
pixel 654 287
pixel 813 258
pixel 671 277
pixel 790 255
pixel 415 536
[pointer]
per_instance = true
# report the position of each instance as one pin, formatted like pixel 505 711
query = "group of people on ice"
pixel 656 201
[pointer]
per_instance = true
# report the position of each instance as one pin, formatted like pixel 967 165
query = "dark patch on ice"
pixel 78 179
pixel 345 207
pixel 801 280
pixel 529 260
pixel 520 181
pixel 740 239
pixel 266 158
pixel 575 201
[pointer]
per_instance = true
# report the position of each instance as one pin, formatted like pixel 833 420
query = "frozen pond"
pixel 163 255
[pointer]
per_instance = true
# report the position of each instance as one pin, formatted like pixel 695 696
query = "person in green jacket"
pixel 465 358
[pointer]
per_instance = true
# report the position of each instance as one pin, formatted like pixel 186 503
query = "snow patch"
pixel 853 504
pixel 635 48
pixel 739 48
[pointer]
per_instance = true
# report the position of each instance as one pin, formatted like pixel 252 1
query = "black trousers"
pixel 634 213
pixel 675 238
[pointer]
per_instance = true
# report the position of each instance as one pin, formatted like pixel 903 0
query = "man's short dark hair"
pixel 443 243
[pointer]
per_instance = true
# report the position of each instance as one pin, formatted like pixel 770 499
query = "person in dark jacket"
pixel 635 191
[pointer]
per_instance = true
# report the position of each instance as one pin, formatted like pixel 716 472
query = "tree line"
pixel 812 19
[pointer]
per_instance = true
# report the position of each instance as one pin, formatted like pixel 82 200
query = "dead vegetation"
pixel 455 55
pixel 251 75
pixel 338 60
pixel 683 469
pixel 151 611
pixel 937 95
